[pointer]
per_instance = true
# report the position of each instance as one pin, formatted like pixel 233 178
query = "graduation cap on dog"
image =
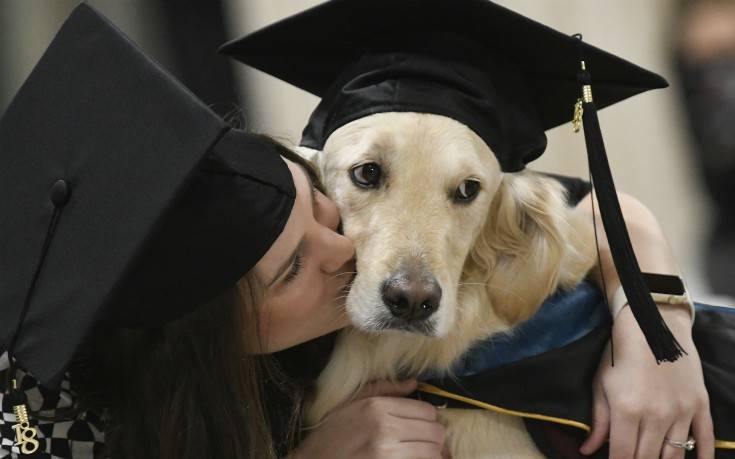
pixel 126 202
pixel 505 76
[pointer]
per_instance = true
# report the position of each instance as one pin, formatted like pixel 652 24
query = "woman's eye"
pixel 467 191
pixel 295 270
pixel 366 175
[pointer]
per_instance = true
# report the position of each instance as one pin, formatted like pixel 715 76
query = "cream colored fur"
pixel 496 259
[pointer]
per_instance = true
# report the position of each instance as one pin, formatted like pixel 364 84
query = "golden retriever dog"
pixel 449 251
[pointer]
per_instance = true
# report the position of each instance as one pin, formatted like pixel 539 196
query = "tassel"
pixel 662 342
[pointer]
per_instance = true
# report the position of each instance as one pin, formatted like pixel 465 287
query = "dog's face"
pixel 414 191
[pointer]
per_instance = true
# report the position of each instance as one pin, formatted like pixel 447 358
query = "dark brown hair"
pixel 192 388
pixel 188 389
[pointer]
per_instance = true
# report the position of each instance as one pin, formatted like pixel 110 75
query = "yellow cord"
pixel 429 389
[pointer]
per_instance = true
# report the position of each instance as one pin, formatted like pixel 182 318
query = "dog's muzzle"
pixel 412 296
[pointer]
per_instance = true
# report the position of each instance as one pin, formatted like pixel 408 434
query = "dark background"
pixel 182 35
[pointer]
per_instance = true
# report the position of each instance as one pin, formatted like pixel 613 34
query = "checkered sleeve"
pixel 80 437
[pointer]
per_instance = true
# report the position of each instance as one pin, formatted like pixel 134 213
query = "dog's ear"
pixel 532 243
pixel 308 154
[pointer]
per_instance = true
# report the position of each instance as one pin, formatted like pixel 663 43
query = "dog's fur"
pixel 496 259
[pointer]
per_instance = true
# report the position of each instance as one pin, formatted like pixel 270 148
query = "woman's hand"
pixel 379 423
pixel 638 403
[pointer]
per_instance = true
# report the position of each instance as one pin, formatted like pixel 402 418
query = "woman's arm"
pixel 638 403
pixel 649 243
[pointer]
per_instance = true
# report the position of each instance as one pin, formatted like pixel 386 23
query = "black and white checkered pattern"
pixel 80 438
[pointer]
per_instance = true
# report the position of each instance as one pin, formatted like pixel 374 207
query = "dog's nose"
pixel 411 297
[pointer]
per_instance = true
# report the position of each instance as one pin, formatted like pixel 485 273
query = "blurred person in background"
pixel 705 58
pixel 182 36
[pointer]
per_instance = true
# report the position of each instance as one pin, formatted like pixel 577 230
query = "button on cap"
pixel 60 193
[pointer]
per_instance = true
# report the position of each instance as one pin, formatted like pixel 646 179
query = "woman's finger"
pixel 704 433
pixel 419 430
pixel 405 408
pixel 651 433
pixel 381 388
pixel 679 432
pixel 419 450
pixel 600 423
pixel 623 434
pixel 387 388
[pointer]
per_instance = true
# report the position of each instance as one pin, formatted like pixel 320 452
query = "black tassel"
pixel 662 342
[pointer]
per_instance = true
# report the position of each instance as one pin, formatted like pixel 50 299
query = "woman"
pixel 143 237
pixel 196 381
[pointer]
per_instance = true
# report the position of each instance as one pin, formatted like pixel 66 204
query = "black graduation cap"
pixel 125 200
pixel 505 76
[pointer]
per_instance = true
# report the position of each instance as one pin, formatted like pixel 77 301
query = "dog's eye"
pixel 366 175
pixel 467 191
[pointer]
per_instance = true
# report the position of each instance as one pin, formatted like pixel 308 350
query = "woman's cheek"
pixel 313 298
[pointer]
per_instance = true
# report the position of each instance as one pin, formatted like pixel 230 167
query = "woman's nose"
pixel 328 212
pixel 335 251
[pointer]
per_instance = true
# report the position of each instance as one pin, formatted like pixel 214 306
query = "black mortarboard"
pixel 125 200
pixel 505 76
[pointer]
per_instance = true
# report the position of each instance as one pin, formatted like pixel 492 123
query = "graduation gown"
pixel 543 372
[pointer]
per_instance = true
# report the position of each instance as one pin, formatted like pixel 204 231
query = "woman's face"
pixel 306 271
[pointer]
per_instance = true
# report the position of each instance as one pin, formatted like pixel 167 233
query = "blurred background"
pixel 673 149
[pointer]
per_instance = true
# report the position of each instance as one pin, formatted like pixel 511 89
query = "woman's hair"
pixel 195 387
pixel 189 389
